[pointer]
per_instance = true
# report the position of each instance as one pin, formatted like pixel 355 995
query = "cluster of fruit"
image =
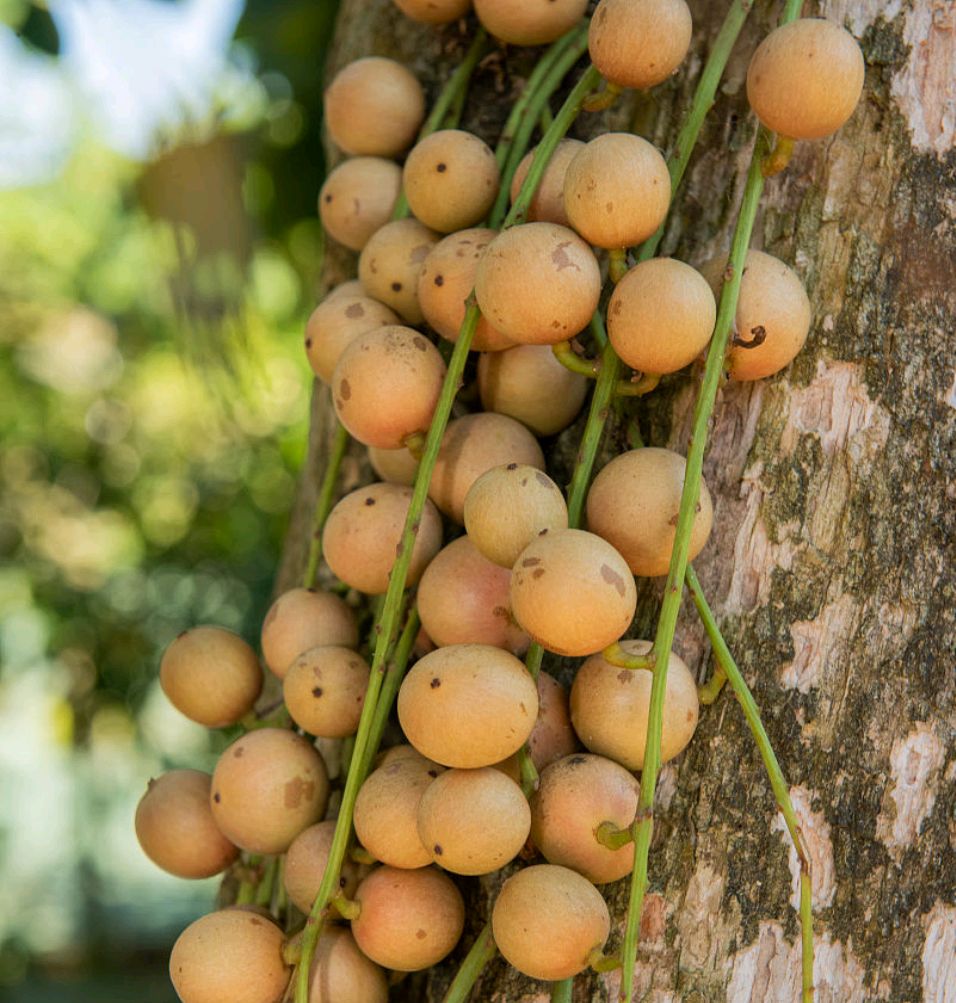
pixel 451 800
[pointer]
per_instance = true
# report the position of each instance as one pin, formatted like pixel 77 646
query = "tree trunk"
pixel 828 567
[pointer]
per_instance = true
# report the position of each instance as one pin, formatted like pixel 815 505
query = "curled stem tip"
pixel 347 908
pixel 778 158
pixel 568 358
pixel 617 264
pixel 604 98
pixel 613 837
pixel 639 385
pixel 616 655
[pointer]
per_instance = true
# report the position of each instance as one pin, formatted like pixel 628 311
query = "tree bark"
pixel 830 564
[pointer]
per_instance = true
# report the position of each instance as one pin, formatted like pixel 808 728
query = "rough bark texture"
pixel 830 565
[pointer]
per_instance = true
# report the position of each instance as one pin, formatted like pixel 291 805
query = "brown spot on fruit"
pixel 396 287
pixel 369 501
pixel 317 691
pixel 441 168
pixel 420 934
pixel 530 562
pixel 217 797
pixel 295 790
pixel 439 280
pixel 613 578
pixel 345 391
pixel 355 310
pixel 435 683
pixel 438 850
pixel 560 257
pixel 537 573
pixel 420 344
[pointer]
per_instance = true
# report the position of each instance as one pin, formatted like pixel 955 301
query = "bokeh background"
pixel 159 252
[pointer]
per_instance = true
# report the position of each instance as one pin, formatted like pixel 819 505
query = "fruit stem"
pixel 609 835
pixel 726 663
pixel 778 158
pixel 386 626
pixel 361 856
pixel 568 112
pixel 266 883
pixel 604 98
pixel 617 264
pixel 670 607
pixel 562 992
pixel 708 693
pixel 601 962
pixel 346 908
pixel 594 428
pixel 384 632
pixel 323 503
pixel 568 358
pixel 639 385
pixel 250 871
pixel 616 655
pixel 446 112
pixel 529 772
pixel 394 675
pixel 503 151
pixel 482 951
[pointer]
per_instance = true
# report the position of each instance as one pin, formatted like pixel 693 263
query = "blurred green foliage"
pixel 153 418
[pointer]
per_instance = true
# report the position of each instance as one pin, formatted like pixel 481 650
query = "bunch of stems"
pixel 387 624
pixel 644 824
pixel 528 111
